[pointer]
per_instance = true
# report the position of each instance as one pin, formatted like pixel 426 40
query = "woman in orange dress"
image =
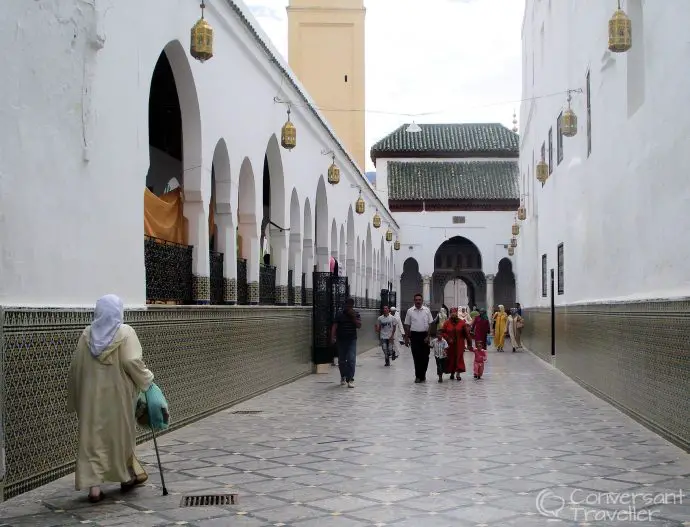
pixel 456 333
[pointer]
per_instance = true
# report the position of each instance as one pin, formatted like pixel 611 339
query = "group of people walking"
pixel 448 336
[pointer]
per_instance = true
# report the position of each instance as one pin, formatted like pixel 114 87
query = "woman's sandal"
pixel 96 499
pixel 134 482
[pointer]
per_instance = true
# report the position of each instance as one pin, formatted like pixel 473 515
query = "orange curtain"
pixel 163 216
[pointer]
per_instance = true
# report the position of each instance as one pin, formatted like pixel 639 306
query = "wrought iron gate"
pixel 330 293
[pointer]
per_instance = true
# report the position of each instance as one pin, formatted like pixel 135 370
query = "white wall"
pixel 422 234
pixel 621 211
pixel 75 151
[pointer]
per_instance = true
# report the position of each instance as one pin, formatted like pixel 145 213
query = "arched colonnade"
pixel 256 240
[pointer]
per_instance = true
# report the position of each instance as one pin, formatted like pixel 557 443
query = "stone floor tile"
pixel 236 521
pixel 402 454
pixel 342 503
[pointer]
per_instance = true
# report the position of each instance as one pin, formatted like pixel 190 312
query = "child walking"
pixel 385 327
pixel 481 328
pixel 440 347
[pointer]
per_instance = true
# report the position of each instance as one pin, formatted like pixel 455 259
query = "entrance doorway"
pixel 455 293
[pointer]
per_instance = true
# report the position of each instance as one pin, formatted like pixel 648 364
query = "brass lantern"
pixel 620 31
pixel 569 121
pixel 542 171
pixel 333 173
pixel 511 251
pixel 515 229
pixel 288 134
pixel 359 204
pixel 389 235
pixel 396 245
pixel 376 222
pixel 513 242
pixel 522 213
pixel 201 45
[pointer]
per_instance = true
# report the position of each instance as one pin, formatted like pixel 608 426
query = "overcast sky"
pixel 458 60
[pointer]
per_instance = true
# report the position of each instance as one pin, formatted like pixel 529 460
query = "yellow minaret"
pixel 326 52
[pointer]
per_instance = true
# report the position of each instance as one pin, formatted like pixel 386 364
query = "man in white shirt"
pixel 417 321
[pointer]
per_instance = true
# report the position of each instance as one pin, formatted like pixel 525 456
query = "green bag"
pixel 152 409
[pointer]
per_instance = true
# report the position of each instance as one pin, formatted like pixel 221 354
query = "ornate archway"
pixel 504 284
pixel 410 285
pixel 458 259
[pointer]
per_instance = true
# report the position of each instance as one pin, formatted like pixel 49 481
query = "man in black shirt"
pixel 344 334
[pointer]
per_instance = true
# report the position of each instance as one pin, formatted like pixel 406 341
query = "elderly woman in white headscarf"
pixel 105 377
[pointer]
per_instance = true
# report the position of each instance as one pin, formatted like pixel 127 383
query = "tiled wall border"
pixel 219 344
pixel 634 355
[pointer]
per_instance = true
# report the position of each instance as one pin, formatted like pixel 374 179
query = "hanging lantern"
pixel 522 213
pixel 515 123
pixel 542 171
pixel 515 229
pixel 511 251
pixel 620 31
pixel 333 173
pixel 359 204
pixel 288 134
pixel 396 245
pixel 376 222
pixel 569 121
pixel 513 242
pixel 201 45
pixel 389 235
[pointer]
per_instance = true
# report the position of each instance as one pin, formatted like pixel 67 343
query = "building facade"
pixel 129 167
pixel 604 222
pixel 326 44
pixel 453 190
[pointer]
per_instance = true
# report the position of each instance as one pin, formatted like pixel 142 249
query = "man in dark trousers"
pixel 344 334
pixel 417 321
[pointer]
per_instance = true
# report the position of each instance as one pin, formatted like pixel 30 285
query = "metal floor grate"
pixel 247 412
pixel 209 500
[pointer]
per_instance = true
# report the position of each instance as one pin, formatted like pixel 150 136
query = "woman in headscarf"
pixel 500 327
pixel 514 326
pixel 105 377
pixel 441 318
pixel 456 333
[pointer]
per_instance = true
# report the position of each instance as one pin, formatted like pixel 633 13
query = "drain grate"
pixel 209 500
pixel 247 412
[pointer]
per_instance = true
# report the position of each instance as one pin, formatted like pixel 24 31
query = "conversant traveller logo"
pixel 589 506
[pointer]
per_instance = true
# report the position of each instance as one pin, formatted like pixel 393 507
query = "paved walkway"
pixel 482 453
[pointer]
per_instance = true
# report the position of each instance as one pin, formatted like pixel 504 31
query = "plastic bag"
pixel 152 409
pixel 489 340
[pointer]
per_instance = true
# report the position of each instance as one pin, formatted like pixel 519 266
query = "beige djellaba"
pixel 103 391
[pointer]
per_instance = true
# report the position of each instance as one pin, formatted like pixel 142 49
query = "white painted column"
pixel 295 265
pixel 280 257
pixel 227 243
pixel 196 213
pixel 490 294
pixel 249 231
pixel 308 268
pixel 350 272
pixel 426 291
pixel 322 263
pixel 370 282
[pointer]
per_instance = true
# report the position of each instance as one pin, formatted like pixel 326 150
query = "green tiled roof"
pixel 453 180
pixel 463 140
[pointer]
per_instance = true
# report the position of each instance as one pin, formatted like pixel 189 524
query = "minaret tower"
pixel 326 52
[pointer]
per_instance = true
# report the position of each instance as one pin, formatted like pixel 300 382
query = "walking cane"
pixel 155 446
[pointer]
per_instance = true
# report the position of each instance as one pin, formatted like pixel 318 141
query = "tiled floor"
pixel 509 450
